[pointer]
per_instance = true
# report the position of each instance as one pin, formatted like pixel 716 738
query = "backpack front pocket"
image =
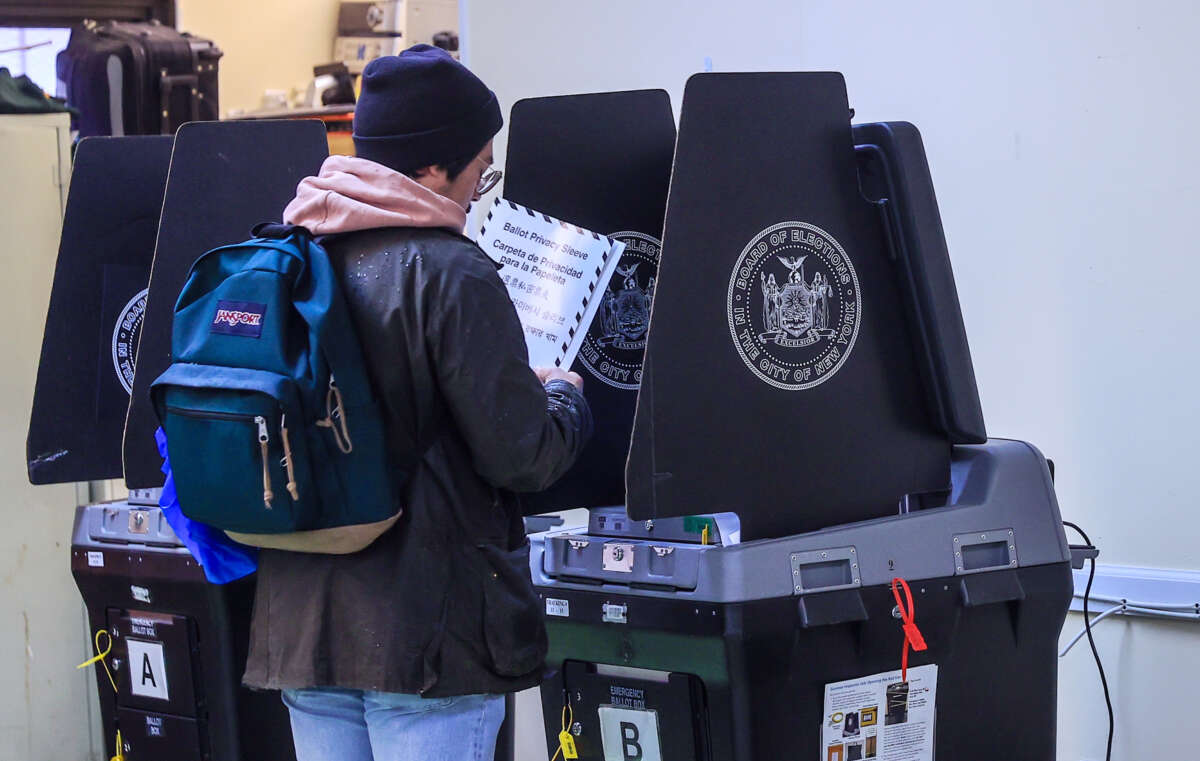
pixel 238 457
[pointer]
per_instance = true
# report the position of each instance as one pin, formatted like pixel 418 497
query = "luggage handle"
pixel 167 84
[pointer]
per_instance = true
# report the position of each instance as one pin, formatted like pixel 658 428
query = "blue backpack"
pixel 273 431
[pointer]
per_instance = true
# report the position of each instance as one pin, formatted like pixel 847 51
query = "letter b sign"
pixel 629 734
pixel 629 742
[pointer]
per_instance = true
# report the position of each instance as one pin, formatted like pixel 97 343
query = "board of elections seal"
pixel 125 338
pixel 794 305
pixel 616 340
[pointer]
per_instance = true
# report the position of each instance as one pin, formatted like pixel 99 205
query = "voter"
pixel 405 649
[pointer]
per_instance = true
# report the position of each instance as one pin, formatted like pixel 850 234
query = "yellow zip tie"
pixel 704 534
pixel 103 655
pixel 102 658
pixel 566 743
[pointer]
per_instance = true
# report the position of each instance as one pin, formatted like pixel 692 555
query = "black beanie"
pixel 422 108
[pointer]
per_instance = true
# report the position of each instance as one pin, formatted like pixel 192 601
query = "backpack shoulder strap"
pixel 278 230
pixel 320 302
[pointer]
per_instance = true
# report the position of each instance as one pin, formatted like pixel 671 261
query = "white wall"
pixel 268 45
pixel 1059 137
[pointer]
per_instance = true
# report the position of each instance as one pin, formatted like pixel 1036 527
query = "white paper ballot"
pixel 554 272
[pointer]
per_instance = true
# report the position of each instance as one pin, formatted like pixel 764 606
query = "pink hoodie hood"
pixel 356 194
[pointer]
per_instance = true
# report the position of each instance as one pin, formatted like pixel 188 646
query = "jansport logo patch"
pixel 794 306
pixel 239 318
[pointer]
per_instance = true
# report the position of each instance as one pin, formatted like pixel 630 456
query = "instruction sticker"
pixel 555 607
pixel 881 717
pixel 95 559
pixel 147 669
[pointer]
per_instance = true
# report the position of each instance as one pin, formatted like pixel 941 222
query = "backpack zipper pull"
pixel 292 488
pixel 263 439
pixel 335 418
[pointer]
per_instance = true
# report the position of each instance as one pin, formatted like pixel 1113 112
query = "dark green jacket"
pixel 442 603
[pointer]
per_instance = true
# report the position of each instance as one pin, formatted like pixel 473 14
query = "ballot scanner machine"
pixel 811 492
pixel 723 650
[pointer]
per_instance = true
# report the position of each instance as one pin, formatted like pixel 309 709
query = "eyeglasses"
pixel 489 179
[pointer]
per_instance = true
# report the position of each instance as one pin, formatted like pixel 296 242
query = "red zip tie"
pixel 912 635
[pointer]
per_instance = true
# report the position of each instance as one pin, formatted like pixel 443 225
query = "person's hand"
pixel 547 374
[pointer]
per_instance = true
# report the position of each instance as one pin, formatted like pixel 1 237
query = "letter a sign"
pixel 147 669
pixel 629 735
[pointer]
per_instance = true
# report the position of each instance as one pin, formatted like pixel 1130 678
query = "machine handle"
pixel 991 588
pixel 829 608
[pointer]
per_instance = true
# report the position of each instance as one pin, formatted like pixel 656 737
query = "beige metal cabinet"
pixel 46 703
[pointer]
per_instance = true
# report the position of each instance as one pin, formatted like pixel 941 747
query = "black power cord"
pixel 1087 624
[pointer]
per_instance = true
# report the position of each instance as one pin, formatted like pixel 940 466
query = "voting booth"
pixel 140 210
pixel 820 554
pixel 560 161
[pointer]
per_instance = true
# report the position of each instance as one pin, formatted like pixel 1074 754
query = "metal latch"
pixel 662 552
pixel 578 544
pixel 138 522
pixel 615 613
pixel 618 557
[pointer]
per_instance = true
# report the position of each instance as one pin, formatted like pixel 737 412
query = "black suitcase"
pixel 138 78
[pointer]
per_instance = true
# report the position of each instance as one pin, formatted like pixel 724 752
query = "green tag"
pixel 694 524
pixel 567 743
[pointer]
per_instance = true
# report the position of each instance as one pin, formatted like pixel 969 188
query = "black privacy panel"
pixel 893 170
pixel 225 178
pixel 601 161
pixel 784 383
pixel 97 304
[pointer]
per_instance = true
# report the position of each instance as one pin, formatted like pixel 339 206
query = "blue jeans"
pixel 354 725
